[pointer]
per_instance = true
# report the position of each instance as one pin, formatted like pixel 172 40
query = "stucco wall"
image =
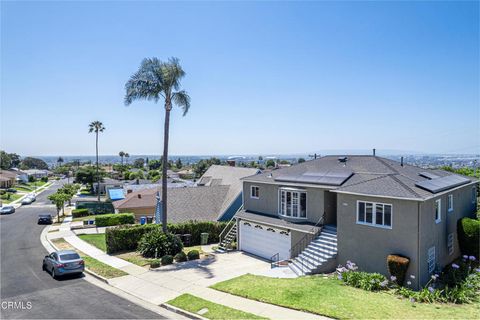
pixel 436 234
pixel 268 201
pixel 139 212
pixel 369 246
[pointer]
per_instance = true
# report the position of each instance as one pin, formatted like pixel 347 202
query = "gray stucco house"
pixel 324 212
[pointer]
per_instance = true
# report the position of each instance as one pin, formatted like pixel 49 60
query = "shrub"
pixel 156 243
pixel 181 257
pixel 167 259
pixel 76 213
pixel 114 219
pixel 126 238
pixel 397 267
pixel 193 255
pixel 469 236
pixel 364 280
pixel 155 263
pixel 44 179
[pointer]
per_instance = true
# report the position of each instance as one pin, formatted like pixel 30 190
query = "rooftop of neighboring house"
pixel 215 192
pixel 8 174
pixel 36 171
pixel 366 175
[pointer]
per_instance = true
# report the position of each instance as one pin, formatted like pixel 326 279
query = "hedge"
pixel 469 236
pixel 114 219
pixel 77 213
pixel 126 238
pixel 398 266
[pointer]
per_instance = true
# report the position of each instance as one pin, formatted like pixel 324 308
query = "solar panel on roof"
pixel 333 177
pixel 441 184
pixel 428 175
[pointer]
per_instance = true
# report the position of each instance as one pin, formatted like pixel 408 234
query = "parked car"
pixel 7 210
pixel 29 199
pixel 12 190
pixel 45 219
pixel 63 262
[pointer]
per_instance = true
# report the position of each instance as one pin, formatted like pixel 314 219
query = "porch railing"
pixel 228 227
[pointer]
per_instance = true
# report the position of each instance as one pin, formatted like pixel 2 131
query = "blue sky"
pixel 264 77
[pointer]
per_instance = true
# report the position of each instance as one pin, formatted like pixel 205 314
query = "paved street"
pixel 22 278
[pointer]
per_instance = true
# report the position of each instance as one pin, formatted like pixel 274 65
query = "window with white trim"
pixel 292 203
pixel 254 192
pixel 450 243
pixel 474 195
pixel 438 210
pixel 450 203
pixel 431 259
pixel 374 214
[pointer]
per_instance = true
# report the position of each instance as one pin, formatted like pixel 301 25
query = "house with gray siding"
pixel 324 212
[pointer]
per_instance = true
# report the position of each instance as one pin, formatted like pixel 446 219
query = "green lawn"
pixel 13 197
pixel 330 297
pixel 37 184
pixel 97 240
pixel 24 189
pixel 84 218
pixel 215 311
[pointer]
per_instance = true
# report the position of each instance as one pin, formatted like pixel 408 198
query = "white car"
pixel 29 199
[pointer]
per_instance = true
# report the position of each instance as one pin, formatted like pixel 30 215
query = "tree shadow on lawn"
pixel 203 265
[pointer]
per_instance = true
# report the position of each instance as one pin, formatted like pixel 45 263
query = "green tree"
pixel 70 189
pixel 5 160
pixel 33 163
pixel 178 164
pixel 127 155
pixel 157 80
pixel 59 198
pixel 96 127
pixel 87 175
pixel 139 163
pixel 59 161
pixel 154 164
pixel 270 163
pixel 121 154
pixel 301 160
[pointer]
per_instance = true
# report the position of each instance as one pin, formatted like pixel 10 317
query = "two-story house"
pixel 324 212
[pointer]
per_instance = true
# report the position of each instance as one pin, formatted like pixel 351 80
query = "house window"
pixel 431 259
pixel 450 243
pixel 254 192
pixel 293 203
pixel 450 203
pixel 438 210
pixel 374 214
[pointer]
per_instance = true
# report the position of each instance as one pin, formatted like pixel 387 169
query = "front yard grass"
pixel 194 304
pixel 92 264
pixel 13 197
pixel 97 240
pixel 84 218
pixel 330 297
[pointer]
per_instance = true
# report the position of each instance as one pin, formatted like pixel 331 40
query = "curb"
pixel 90 272
pixel 182 312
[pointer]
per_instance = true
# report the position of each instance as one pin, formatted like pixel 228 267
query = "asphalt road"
pixel 24 283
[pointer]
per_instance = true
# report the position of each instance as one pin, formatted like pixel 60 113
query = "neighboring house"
pixel 108 183
pixel 324 212
pixel 8 178
pixel 21 176
pixel 37 174
pixel 217 197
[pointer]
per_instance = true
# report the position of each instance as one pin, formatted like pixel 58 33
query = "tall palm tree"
pixel 127 155
pixel 121 154
pixel 157 80
pixel 59 161
pixel 97 127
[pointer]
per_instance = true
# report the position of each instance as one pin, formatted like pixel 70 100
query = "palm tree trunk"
pixel 164 165
pixel 98 178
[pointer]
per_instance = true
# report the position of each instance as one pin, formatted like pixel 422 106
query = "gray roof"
pixel 374 176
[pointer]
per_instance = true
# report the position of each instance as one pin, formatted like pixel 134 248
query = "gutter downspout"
pixel 418 245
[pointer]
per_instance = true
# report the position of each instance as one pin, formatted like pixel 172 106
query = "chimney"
pixel 401 161
pixel 139 196
pixel 374 152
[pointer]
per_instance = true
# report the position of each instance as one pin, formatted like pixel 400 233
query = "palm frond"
pixel 146 83
pixel 96 126
pixel 182 99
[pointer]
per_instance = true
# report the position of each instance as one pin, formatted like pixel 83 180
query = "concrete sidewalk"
pixel 160 285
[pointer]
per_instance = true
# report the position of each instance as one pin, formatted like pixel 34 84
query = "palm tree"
pixel 157 80
pixel 127 155
pixel 59 161
pixel 121 154
pixel 96 126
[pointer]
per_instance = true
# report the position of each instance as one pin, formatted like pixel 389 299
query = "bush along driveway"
pixel 331 297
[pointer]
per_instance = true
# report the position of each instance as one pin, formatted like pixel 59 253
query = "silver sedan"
pixel 63 262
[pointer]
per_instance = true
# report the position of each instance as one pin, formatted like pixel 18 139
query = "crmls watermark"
pixel 16 305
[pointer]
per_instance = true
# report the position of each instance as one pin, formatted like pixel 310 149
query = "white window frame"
pixel 450 203
pixel 450 243
pixel 374 214
pixel 431 259
pixel 438 203
pixel 298 192
pixel 474 195
pixel 251 192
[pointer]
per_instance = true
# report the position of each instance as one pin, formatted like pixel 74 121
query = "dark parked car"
pixel 45 219
pixel 63 262
pixel 12 190
pixel 7 210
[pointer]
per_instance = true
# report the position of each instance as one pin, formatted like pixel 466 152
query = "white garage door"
pixel 264 241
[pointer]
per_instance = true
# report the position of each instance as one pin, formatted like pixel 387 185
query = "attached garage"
pixel 263 240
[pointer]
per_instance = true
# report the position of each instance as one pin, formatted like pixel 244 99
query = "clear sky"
pixel 264 77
